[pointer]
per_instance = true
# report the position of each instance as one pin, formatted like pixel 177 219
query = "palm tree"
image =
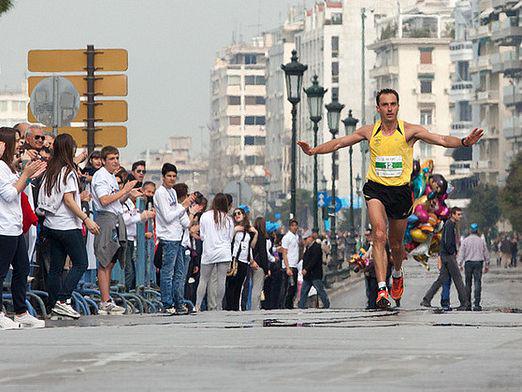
pixel 5 5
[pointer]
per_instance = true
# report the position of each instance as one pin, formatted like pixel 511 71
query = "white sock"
pixel 397 274
pixel 381 285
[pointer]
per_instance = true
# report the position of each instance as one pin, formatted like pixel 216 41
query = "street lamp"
pixel 315 95
pixel 334 115
pixel 294 71
pixel 350 124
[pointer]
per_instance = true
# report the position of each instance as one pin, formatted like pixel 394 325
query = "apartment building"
pixel 13 106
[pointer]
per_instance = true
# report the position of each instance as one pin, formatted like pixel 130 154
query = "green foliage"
pixel 484 207
pixel 5 5
pixel 510 196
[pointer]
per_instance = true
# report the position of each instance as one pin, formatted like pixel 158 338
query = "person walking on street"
pixel 514 251
pixel 505 252
pixel 475 256
pixel 387 190
pixel 312 271
pixel 290 250
pixel 448 262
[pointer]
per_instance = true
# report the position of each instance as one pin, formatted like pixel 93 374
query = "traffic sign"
pixel 76 60
pixel 54 102
pixel 105 136
pixel 321 199
pixel 338 203
pixel 106 111
pixel 106 85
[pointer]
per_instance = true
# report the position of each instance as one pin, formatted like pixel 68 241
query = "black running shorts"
pixel 397 200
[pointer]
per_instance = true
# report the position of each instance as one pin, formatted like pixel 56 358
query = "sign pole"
pixel 56 120
pixel 90 98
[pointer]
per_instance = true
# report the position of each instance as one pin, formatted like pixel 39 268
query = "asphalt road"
pixel 340 349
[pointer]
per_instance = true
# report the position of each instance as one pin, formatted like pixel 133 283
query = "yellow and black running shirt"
pixel 391 158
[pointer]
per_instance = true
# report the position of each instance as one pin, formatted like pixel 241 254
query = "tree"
pixel 484 207
pixel 5 5
pixel 510 196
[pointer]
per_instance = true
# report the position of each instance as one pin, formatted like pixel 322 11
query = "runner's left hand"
pixel 473 137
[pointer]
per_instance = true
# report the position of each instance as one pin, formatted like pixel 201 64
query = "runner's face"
pixel 388 107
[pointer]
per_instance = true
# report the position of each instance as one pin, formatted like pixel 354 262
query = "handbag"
pixel 232 271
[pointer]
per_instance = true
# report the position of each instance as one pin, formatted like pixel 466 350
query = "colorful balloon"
pixel 421 213
pixel 418 235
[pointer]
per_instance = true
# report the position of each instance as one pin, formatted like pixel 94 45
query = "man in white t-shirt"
pixel 109 245
pixel 290 250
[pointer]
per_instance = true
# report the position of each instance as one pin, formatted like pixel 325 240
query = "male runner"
pixel 387 190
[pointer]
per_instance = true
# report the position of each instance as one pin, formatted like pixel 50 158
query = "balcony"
pixel 487 97
pixel 460 129
pixel 507 34
pixel 461 51
pixel 512 127
pixel 426 98
pixel 512 95
pixel 384 70
pixel 482 63
pixel 503 4
pixel 461 91
pixel 480 32
pixel 425 69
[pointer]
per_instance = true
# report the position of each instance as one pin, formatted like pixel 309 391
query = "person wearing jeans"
pixel 312 271
pixel 475 256
pixel 13 249
pixel 290 251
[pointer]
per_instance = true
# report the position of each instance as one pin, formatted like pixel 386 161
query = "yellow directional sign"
pixel 105 136
pixel 76 60
pixel 106 111
pixel 106 85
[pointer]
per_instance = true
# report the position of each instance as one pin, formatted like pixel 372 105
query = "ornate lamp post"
pixel 315 95
pixel 294 71
pixel 350 125
pixel 334 115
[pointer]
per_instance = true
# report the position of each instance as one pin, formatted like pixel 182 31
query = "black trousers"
pixel 13 251
pixel 450 269
pixel 234 285
pixel 473 272
pixel 291 288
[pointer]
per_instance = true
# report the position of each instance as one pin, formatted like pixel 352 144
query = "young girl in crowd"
pixel 245 238
pixel 12 243
pixel 261 257
pixel 59 199
pixel 216 232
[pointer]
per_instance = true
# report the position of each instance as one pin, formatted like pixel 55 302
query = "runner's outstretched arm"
pixel 336 144
pixel 423 134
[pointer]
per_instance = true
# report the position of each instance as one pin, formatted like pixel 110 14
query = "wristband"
pixel 84 219
pixel 462 142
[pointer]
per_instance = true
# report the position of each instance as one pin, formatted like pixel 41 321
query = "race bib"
pixel 388 166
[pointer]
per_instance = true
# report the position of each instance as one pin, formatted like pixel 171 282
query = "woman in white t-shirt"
pixel 216 231
pixel 245 237
pixel 60 194
pixel 13 249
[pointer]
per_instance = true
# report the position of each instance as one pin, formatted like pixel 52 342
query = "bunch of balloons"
pixel 429 211
pixel 272 226
pixel 359 261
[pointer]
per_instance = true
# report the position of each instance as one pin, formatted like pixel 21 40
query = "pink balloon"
pixel 421 213
pixel 443 197
pixel 428 190
pixel 443 212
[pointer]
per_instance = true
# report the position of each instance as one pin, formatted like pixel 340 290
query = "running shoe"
pixel 64 308
pixel 111 308
pixel 28 322
pixel 397 287
pixel 382 299
pixel 7 323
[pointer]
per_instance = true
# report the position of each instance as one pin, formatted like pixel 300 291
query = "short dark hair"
pixel 292 221
pixel 168 167
pixel 455 210
pixel 386 91
pixel 181 190
pixel 147 183
pixel 136 164
pixel 230 199
pixel 108 150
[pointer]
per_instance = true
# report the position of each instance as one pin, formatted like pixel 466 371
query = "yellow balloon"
pixel 418 235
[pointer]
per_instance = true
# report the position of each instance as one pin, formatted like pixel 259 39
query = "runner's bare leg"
pixel 396 236
pixel 379 222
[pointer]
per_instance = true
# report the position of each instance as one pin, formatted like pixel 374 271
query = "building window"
pixel 234 120
pixel 426 117
pixel 463 71
pixel 234 100
pixel 254 100
pixel 425 84
pixel 234 140
pixel 337 18
pixel 335 92
pixel 335 46
pixel 234 80
pixel 425 55
pixel 464 111
pixel 250 59
pixel 3 106
pixel 254 160
pixel 335 72
pixel 425 150
pixel 252 80
pixel 255 120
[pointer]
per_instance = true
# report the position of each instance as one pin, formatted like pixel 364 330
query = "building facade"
pixel 13 107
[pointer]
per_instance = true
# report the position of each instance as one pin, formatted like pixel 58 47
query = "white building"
pixel 413 58
pixel 13 107
pixel 238 119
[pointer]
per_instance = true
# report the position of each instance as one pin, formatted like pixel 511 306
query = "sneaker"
pixel 111 308
pixel 425 304
pixel 477 308
pixel 397 287
pixel 171 311
pixel 7 323
pixel 182 310
pixel 27 321
pixel 382 299
pixel 65 309
pixel 464 308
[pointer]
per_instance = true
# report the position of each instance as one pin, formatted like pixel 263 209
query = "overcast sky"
pixel 171 45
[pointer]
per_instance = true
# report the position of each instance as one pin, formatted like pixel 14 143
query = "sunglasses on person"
pixel 139 171
pixel 238 213
pixel 39 137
